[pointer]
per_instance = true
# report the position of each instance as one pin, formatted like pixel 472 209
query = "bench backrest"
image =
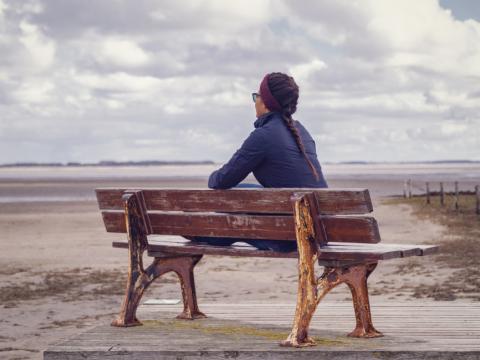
pixel 242 213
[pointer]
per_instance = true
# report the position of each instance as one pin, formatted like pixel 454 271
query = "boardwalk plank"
pixel 413 331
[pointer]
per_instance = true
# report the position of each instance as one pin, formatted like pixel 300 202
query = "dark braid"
pixel 286 91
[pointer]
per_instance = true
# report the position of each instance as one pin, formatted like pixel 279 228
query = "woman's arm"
pixel 245 159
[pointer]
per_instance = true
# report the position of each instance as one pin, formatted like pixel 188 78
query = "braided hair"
pixel 285 90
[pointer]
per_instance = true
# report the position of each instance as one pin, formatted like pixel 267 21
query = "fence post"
pixel 428 192
pixel 456 195
pixel 477 195
pixel 409 188
pixel 442 195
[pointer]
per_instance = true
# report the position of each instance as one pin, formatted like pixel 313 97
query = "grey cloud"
pixel 344 23
pixel 67 19
pixel 187 96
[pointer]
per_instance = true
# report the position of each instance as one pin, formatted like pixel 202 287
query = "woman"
pixel 280 152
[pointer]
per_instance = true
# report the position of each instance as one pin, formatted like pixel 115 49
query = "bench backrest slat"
pixel 272 201
pixel 281 227
pixel 243 213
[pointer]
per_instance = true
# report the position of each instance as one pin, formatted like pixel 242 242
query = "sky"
pixel 380 80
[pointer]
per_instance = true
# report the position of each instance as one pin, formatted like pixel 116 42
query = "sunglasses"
pixel 254 96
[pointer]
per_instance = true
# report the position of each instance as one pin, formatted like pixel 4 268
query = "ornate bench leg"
pixel 139 278
pixel 137 282
pixel 184 269
pixel 310 290
pixel 356 280
pixel 307 291
pixel 309 296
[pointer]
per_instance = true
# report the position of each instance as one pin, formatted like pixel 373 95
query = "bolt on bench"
pixel 329 226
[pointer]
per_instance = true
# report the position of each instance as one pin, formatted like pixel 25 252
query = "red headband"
pixel 268 99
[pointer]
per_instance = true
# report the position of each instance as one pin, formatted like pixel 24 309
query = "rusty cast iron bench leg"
pixel 139 278
pixel 311 290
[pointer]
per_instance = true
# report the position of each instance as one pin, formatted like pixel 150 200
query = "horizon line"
pixel 211 162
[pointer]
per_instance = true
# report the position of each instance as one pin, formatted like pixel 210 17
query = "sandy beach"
pixel 60 275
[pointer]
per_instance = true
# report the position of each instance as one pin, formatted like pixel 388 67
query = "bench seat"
pixel 158 245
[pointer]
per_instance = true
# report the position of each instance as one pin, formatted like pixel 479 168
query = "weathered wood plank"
pixel 160 249
pixel 160 246
pixel 333 251
pixel 362 229
pixel 267 200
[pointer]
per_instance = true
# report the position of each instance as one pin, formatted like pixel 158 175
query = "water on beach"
pixel 77 183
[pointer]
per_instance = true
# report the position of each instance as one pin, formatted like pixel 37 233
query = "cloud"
pixel 2 7
pixel 39 48
pixel 122 52
pixel 379 80
pixel 303 71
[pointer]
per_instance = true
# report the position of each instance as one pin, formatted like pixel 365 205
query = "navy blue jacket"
pixel 271 153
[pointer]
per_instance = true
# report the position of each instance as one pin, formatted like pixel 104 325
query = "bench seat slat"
pixel 266 200
pixel 327 254
pixel 362 229
pixel 407 250
pixel 333 251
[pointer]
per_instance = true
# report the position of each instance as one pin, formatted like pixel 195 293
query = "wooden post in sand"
pixel 409 188
pixel 456 195
pixel 442 195
pixel 477 195
pixel 428 193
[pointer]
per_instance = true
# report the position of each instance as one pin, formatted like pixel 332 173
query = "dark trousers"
pixel 276 245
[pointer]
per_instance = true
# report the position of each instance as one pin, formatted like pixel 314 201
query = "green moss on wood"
pixel 231 330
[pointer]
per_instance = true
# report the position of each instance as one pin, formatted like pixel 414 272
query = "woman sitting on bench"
pixel 280 152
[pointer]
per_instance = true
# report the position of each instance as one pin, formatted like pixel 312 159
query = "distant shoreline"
pixel 210 162
pixel 109 163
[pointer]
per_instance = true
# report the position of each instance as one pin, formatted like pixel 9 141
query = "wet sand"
pixel 59 273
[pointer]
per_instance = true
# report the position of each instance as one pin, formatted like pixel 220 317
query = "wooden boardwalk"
pixel 413 330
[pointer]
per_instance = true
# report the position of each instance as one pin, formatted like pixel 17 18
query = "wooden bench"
pixel 329 226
